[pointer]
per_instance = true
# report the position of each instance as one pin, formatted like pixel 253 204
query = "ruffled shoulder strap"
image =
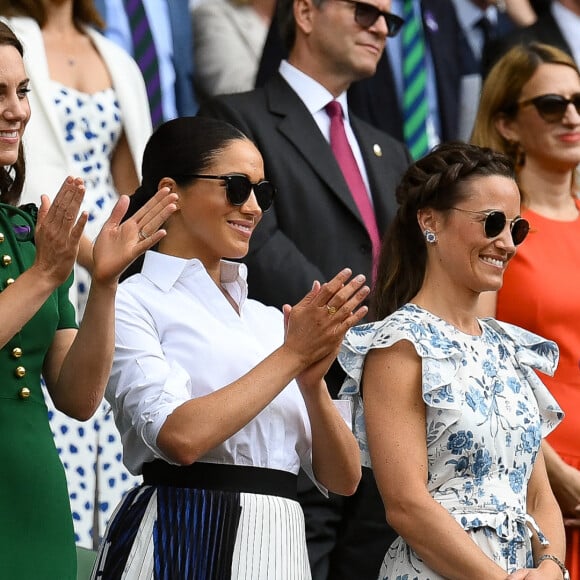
pixel 530 349
pixel 530 352
pixel 440 355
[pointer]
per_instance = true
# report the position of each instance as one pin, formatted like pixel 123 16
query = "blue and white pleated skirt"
pixel 172 533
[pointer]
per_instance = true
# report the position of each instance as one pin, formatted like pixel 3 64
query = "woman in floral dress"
pixel 454 411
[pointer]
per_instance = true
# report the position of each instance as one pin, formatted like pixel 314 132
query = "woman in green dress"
pixel 38 335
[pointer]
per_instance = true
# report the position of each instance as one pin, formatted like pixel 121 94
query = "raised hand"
pixel 58 231
pixel 118 244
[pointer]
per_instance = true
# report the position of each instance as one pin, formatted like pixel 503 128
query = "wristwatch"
pixel 557 560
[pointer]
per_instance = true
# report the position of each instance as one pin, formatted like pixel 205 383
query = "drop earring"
pixel 430 237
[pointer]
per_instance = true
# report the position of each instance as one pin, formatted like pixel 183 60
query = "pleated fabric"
pixel 168 533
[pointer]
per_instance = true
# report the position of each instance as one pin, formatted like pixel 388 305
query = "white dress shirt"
pixel 177 338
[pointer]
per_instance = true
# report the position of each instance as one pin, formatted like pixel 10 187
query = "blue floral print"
pixel 486 412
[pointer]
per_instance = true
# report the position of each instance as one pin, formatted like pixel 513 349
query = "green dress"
pixel 36 530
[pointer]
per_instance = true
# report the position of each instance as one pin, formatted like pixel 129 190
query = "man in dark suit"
pixel 170 22
pixel 558 24
pixel 315 228
pixel 377 99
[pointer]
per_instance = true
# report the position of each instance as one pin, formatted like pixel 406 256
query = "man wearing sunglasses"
pixel 378 99
pixel 316 226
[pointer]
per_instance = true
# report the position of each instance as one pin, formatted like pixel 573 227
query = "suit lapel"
pixel 299 128
pixel 551 33
pixel 383 197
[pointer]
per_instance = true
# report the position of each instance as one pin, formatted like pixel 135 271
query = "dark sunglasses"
pixel 552 108
pixel 239 189
pixel 366 15
pixel 495 222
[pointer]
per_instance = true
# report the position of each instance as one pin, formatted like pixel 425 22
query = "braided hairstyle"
pixel 437 181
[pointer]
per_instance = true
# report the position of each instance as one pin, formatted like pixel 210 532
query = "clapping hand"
pixel 58 231
pixel 319 321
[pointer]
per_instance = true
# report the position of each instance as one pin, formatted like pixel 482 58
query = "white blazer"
pixel 48 163
pixel 227 46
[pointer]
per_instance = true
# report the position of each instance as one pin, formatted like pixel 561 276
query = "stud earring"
pixel 430 237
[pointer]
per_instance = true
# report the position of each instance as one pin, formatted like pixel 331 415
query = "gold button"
pixel 20 372
pixel 1 237
pixel 377 150
pixel 6 260
pixel 24 393
pixel 9 281
pixel 16 352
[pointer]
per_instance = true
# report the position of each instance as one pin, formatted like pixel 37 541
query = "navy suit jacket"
pixel 180 20
pixel 375 99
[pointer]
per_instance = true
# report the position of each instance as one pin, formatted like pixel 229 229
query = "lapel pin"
pixel 377 150
pixel 430 21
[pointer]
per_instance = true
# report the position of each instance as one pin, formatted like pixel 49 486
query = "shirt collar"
pixel 164 270
pixel 469 14
pixel 314 96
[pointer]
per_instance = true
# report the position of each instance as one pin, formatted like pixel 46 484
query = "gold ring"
pixel 143 235
pixel 331 310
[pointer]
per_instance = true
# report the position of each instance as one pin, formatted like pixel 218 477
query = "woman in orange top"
pixel 530 110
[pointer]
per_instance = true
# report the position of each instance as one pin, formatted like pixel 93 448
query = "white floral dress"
pixel 486 414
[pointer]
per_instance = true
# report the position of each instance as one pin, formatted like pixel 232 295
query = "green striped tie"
pixel 415 107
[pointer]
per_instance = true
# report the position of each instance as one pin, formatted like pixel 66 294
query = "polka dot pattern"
pixel 91 451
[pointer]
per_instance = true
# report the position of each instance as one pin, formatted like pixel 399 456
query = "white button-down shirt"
pixel 177 337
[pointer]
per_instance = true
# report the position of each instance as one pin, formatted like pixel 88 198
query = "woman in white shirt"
pixel 203 387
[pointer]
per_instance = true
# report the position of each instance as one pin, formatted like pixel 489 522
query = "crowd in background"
pixel 338 120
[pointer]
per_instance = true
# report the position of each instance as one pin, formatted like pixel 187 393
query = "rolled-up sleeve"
pixel 144 387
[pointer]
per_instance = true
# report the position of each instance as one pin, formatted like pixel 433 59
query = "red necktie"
pixel 345 158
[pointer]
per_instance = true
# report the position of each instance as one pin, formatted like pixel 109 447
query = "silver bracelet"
pixel 557 560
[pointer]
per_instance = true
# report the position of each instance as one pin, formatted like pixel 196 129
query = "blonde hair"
pixel 502 89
